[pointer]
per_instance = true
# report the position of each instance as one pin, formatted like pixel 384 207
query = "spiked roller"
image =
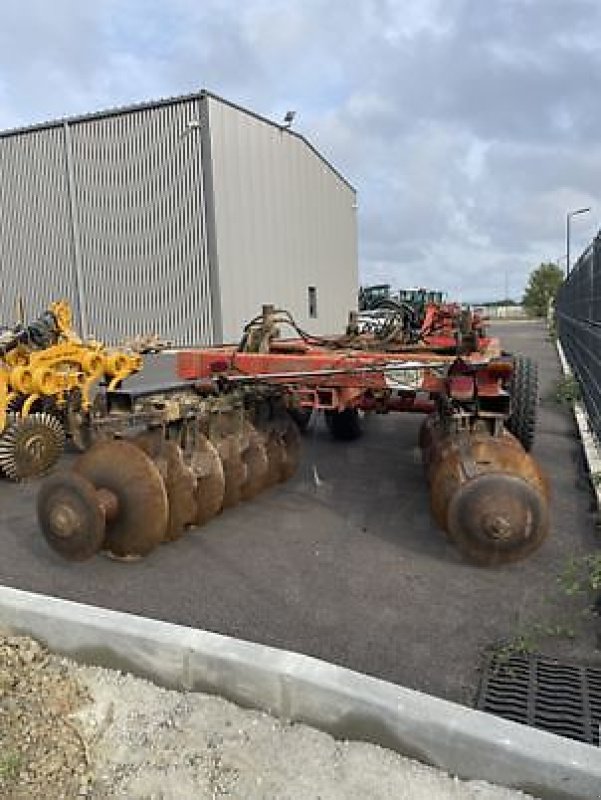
pixel 31 445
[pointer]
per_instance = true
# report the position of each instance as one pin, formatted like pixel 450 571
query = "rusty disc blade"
pixel 506 454
pixel 234 471
pixel 457 458
pixel 70 516
pixel 143 509
pixel 257 465
pixel 152 442
pixel 210 480
pixel 496 518
pixel 179 480
pixel 181 492
pixel 444 481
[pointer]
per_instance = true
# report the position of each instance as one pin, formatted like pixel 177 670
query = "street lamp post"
pixel 569 216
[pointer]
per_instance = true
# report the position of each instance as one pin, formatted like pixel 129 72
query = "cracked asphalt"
pixel 345 563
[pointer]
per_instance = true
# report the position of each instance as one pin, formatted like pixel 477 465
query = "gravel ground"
pixel 42 754
pixel 82 732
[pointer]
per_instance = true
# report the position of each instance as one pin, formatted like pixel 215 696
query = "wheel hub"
pixel 64 521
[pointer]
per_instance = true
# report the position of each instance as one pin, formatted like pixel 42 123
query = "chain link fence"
pixel 578 316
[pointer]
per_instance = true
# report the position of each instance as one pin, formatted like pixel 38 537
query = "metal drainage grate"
pixel 558 697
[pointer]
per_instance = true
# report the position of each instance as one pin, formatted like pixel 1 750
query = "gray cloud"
pixel 469 128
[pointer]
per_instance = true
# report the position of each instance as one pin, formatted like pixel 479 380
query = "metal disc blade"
pixel 181 492
pixel 497 518
pixel 70 516
pixel 444 480
pixel 179 481
pixel 257 465
pixel 455 457
pixel 506 454
pixel 234 470
pixel 143 509
pixel 210 480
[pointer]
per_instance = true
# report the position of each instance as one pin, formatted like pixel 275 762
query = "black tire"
pixel 523 389
pixel 344 425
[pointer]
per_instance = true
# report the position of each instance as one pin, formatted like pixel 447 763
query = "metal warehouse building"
pixel 179 217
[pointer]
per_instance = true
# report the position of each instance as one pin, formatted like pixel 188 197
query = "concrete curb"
pixel 349 705
pixel 588 438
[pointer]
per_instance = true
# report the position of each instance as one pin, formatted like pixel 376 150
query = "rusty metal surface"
pixel 234 468
pixel 179 480
pixel 487 493
pixel 131 475
pixel 257 464
pixel 210 480
pixel 70 516
pixel 180 485
pixel 497 519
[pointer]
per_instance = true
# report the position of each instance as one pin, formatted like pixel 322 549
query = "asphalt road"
pixel 344 562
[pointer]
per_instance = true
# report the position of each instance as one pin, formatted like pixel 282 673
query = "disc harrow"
pixel 168 458
pixel 488 494
pixel 126 496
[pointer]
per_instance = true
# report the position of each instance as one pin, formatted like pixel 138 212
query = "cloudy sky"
pixel 468 127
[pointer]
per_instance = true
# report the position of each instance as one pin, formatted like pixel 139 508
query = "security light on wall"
pixel 191 125
pixel 288 119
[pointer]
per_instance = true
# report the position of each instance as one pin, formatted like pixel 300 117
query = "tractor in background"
pixel 418 316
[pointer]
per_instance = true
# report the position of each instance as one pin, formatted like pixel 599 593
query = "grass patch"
pixel 567 391
pixel 579 578
pixel 10 765
pixel 529 639
pixel 581 575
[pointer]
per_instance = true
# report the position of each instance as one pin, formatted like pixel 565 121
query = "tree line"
pixel 543 285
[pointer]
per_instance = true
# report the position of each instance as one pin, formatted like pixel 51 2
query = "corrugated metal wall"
pixel 111 209
pixel 284 221
pixel 140 206
pixel 36 239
